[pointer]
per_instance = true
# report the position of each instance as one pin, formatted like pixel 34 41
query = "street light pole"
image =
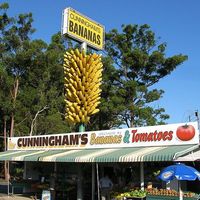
pixel 197 116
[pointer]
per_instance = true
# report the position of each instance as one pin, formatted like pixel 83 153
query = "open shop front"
pixel 192 158
pixel 75 171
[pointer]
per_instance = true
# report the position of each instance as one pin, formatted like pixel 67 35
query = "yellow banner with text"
pixel 83 29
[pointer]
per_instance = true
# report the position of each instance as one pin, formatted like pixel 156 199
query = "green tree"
pixel 42 98
pixel 139 61
pixel 31 80
pixel 6 83
pixel 34 93
pixel 14 34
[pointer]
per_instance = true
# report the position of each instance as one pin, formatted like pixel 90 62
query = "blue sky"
pixel 175 21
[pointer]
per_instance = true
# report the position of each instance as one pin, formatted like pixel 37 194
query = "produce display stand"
pixel 19 186
pixel 157 197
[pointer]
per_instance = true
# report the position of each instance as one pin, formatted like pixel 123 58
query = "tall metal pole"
pixel 197 116
pixel 81 129
pixel 83 47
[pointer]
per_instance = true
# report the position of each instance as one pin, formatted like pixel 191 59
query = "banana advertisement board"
pixel 83 29
pixel 162 135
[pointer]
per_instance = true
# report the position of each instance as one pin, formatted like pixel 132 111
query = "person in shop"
pixel 106 186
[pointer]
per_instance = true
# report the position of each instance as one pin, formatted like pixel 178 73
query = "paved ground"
pixel 14 197
pixel 4 196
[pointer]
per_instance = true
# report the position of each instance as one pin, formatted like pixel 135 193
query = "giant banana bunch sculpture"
pixel 83 76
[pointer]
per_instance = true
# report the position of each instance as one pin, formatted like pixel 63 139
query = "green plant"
pixel 129 193
pixel 137 193
pixel 156 173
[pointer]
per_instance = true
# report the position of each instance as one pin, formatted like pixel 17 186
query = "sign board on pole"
pixel 83 29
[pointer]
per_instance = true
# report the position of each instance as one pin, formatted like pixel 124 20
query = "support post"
pixel 81 128
pixel 98 192
pixel 80 174
pixel 93 181
pixel 25 168
pixel 84 46
pixel 25 174
pixel 142 175
pixel 79 184
pixel 8 178
pixel 180 191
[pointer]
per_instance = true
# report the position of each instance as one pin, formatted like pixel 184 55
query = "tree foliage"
pixel 138 62
pixel 31 78
pixel 32 88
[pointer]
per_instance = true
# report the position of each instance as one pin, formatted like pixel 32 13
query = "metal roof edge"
pixel 181 153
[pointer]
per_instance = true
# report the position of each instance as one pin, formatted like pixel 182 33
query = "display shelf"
pixel 157 197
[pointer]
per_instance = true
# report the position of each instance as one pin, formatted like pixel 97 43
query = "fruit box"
pixel 135 198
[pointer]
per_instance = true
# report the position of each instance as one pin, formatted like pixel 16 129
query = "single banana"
pixel 95 111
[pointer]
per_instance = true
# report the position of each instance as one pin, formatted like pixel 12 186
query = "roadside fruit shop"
pixel 70 165
pixel 132 157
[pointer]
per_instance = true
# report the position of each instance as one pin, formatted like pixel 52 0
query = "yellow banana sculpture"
pixel 83 76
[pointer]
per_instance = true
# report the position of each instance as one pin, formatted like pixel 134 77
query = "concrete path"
pixel 14 197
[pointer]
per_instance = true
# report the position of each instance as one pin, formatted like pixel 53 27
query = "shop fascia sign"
pixel 83 29
pixel 164 135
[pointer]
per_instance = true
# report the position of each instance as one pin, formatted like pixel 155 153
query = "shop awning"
pixel 139 154
pixel 191 156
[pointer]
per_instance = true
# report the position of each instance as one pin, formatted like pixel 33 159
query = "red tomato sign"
pixel 185 132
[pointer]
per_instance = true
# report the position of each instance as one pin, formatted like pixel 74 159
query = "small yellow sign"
pixel 83 29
